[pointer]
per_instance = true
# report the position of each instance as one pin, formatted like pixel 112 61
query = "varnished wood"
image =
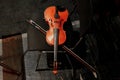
pixel 12 49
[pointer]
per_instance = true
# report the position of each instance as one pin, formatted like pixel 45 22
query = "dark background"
pixel 98 18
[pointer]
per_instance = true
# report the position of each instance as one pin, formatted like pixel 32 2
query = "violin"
pixel 55 16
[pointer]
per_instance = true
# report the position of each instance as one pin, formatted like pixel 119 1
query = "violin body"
pixel 49 15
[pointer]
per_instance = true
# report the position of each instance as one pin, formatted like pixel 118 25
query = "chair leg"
pixel 8 69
